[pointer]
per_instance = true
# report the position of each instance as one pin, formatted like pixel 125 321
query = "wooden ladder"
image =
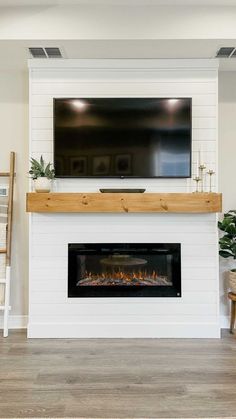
pixel 7 251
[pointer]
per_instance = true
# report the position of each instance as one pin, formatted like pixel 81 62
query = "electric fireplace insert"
pixel 124 270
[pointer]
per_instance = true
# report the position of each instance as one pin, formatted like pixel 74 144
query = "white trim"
pixel 7 301
pixel 123 330
pixel 133 64
pixel 217 215
pixel 30 215
pixel 15 322
pixel 224 322
pixel 21 322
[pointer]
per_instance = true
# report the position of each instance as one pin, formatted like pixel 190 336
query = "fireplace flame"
pixel 127 276
pixel 140 277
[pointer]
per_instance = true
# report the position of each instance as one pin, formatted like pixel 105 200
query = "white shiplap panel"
pixel 204 134
pixel 126 219
pixel 123 310
pixel 41 146
pixel 73 76
pixel 59 319
pixel 203 122
pixel 42 111
pixel 106 235
pixel 41 135
pixel 194 297
pixel 144 220
pixel 42 123
pixel 50 234
pixel 209 156
pixel 204 111
pixel 104 231
pixel 161 88
pixel 44 230
pixel 204 145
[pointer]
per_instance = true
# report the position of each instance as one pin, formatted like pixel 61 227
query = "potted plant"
pixel 42 174
pixel 228 243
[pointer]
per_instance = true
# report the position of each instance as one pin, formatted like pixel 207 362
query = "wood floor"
pixel 117 378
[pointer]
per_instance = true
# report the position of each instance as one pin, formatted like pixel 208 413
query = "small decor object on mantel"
pixel 210 173
pixel 197 180
pixel 42 174
pixel 228 243
pixel 202 167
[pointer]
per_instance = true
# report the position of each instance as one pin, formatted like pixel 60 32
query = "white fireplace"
pixel 51 312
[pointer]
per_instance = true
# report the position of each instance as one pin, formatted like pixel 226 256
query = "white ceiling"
pixel 14 54
pixel 118 2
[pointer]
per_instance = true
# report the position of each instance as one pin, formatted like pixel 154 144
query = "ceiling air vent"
pixel 45 52
pixel 225 52
pixel 37 53
pixel 53 52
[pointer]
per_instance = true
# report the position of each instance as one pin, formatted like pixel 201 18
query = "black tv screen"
pixel 122 137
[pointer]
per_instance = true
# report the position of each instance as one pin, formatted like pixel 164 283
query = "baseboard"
pixel 15 322
pixel 224 322
pixel 84 330
pixel 123 330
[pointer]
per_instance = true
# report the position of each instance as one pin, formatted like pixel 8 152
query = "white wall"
pixel 118 22
pixel 196 313
pixel 227 166
pixel 227 136
pixel 14 137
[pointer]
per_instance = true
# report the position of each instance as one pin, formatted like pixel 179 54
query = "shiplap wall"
pixel 51 313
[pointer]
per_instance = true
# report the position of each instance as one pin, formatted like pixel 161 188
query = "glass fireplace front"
pixel 124 270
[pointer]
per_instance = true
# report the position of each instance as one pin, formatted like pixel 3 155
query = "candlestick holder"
pixel 202 167
pixel 210 173
pixel 197 180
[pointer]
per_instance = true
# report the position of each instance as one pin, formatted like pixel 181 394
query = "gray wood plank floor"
pixel 117 378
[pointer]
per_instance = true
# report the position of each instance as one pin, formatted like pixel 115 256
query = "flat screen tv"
pixel 122 137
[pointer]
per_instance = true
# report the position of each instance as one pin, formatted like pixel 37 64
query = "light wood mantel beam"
pixel 124 202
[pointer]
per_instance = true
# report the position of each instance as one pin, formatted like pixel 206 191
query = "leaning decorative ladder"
pixel 5 307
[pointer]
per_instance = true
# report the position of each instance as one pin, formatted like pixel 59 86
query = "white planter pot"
pixel 42 184
pixel 232 281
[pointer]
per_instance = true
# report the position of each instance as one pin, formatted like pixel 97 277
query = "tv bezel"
pixel 123 176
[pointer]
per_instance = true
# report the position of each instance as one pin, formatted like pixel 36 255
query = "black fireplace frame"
pixel 124 291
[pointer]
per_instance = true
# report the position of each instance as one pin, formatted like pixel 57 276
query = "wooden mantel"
pixel 124 202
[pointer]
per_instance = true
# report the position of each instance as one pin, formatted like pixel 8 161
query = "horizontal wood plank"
pixel 124 202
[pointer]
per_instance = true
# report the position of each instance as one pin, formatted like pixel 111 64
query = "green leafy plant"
pixel 228 240
pixel 41 169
